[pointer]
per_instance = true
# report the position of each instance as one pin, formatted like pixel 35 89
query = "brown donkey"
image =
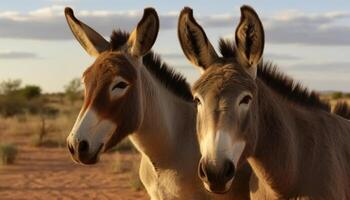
pixel 250 112
pixel 130 92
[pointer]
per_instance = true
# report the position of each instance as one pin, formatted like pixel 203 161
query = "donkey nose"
pixel 202 172
pixel 83 147
pixel 213 176
pixel 229 170
pixel 70 148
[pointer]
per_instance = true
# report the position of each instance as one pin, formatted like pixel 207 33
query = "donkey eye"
pixel 120 85
pixel 197 101
pixel 245 100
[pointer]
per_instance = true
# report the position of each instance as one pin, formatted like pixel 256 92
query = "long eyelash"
pixel 246 99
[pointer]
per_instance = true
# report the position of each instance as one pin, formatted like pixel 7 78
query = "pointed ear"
pixel 250 39
pixel 90 40
pixel 145 34
pixel 194 42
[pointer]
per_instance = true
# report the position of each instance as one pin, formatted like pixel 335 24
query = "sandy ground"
pixel 49 173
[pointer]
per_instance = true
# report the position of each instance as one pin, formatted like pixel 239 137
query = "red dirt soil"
pixel 49 173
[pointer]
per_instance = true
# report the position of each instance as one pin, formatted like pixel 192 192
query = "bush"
pixel 10 86
pixel 73 90
pixel 337 95
pixel 135 181
pixel 12 104
pixel 8 153
pixel 121 165
pixel 15 100
pixel 31 91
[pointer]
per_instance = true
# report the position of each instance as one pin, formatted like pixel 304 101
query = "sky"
pixel 308 40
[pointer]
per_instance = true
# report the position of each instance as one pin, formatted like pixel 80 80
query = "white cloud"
pixel 17 55
pixel 43 13
pixel 291 26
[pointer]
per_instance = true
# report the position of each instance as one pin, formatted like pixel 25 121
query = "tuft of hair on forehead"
pixel 118 39
pixel 226 49
pixel 278 81
pixel 175 82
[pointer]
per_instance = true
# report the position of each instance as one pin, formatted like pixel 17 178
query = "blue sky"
pixel 308 40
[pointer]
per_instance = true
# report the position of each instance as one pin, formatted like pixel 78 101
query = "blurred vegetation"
pixel 26 110
pixel 73 90
pixel 337 95
pixel 8 153
pixel 16 100
pixel 135 181
pixel 31 91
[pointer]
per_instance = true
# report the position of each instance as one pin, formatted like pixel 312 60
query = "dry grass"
pixel 55 131
pixel 19 125
pixel 123 164
pixel 330 98
pixel 135 181
pixel 8 153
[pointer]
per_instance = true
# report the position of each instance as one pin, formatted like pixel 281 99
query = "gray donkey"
pixel 248 112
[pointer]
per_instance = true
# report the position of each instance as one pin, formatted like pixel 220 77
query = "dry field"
pixel 44 170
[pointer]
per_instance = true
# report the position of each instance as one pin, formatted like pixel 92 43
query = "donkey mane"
pixel 278 81
pixel 173 81
pixel 342 109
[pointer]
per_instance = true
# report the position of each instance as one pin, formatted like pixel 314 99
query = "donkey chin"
pixel 218 187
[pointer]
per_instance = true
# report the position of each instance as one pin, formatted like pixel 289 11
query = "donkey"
pixel 130 92
pixel 249 112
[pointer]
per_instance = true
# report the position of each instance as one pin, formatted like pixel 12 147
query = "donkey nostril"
pixel 229 170
pixel 71 149
pixel 201 171
pixel 83 147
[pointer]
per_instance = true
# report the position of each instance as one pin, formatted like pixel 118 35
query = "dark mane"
pixel 342 109
pixel 175 82
pixel 279 82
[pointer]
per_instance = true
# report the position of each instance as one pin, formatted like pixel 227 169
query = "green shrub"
pixel 337 95
pixel 12 104
pixel 8 153
pixel 135 181
pixel 73 90
pixel 36 140
pixel 31 91
pixel 121 165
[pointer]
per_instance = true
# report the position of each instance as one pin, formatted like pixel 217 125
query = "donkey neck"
pixel 280 144
pixel 168 124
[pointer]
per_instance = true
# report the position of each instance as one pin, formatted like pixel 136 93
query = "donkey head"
pixel 112 106
pixel 226 95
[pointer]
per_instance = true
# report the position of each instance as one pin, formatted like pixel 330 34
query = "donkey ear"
pixel 145 34
pixel 89 39
pixel 250 39
pixel 194 42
